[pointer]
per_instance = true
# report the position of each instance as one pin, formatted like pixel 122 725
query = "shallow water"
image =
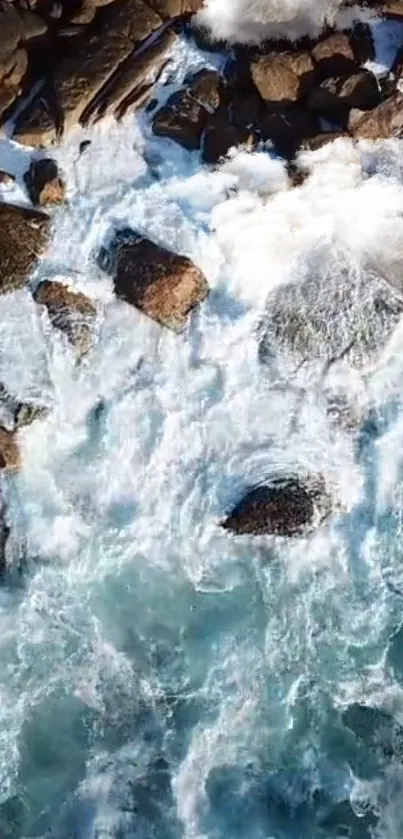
pixel 160 678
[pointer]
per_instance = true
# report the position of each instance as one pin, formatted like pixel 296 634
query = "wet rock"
pixel 10 458
pixel 288 506
pixel 69 311
pixel 15 414
pixel 44 183
pixel 36 125
pixel 375 728
pixel 163 285
pixel 334 56
pixel 320 140
pixel 337 95
pixel 340 820
pixel 331 314
pixel 24 235
pixel 283 77
pixel 392 9
pixel 289 128
pixel 186 113
pixel 220 137
pixel 384 121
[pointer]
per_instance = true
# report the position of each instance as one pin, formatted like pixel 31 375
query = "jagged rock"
pixel 384 121
pixel 133 82
pixel 375 728
pixel 69 311
pixel 220 137
pixel 283 77
pixel 334 56
pixel 24 234
pixel 186 113
pixel 10 457
pixel 330 314
pixel 338 95
pixel 284 506
pixel 44 183
pixel 163 285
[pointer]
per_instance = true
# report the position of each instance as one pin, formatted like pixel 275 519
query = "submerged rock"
pixel 375 728
pixel 331 314
pixel 288 506
pixel 165 286
pixel 24 234
pixel 69 311
pixel 44 183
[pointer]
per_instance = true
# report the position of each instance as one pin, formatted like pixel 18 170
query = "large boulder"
pixel 330 314
pixel 163 285
pixel 44 183
pixel 23 236
pixel 337 95
pixel 383 122
pixel 220 136
pixel 186 114
pixel 71 312
pixel 284 506
pixel 283 77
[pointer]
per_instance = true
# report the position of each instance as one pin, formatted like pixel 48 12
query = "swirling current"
pixel 160 678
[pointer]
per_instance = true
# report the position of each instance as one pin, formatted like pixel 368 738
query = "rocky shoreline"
pixel 65 64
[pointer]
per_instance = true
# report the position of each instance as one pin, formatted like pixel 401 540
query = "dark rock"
pixel 37 124
pixel 336 95
pixel 163 285
pixel 69 311
pixel 220 137
pixel 288 506
pixel 24 234
pixel 186 113
pixel 376 729
pixel 287 129
pixel 384 121
pixel 283 77
pixel 334 56
pixel 331 314
pixel 44 183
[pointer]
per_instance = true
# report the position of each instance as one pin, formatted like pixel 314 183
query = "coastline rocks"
pixel 289 506
pixel 24 235
pixel 44 183
pixel 10 458
pixel 163 285
pixel 70 312
pixel 282 77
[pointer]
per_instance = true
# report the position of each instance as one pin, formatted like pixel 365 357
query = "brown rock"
pixel 175 8
pixel 11 31
pixel 337 95
pixel 10 457
pixel 282 77
pixel 391 9
pixel 36 125
pixel 163 285
pixel 69 311
pixel 44 183
pixel 182 119
pixel 132 83
pixel 315 143
pixel 220 137
pixel 85 13
pixel 334 55
pixel 383 122
pixel 288 506
pixel 33 26
pixel 23 236
pixel 207 88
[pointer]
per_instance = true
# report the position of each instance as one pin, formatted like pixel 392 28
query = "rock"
pixel 186 113
pixel 15 414
pixel 163 285
pixel 376 729
pixel 10 458
pixel 320 140
pixel 13 71
pixel 6 179
pixel 288 506
pixel 4 536
pixel 33 26
pixel 283 77
pixel 169 9
pixel 331 314
pixel 336 95
pixel 36 125
pixel 69 311
pixel 133 82
pixel 334 56
pixel 392 9
pixel 85 13
pixel 44 183
pixel 220 137
pixel 24 235
pixel 384 121
pixel 288 128
pixel 11 31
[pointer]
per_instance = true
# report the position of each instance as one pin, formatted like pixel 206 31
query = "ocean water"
pixel 160 678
